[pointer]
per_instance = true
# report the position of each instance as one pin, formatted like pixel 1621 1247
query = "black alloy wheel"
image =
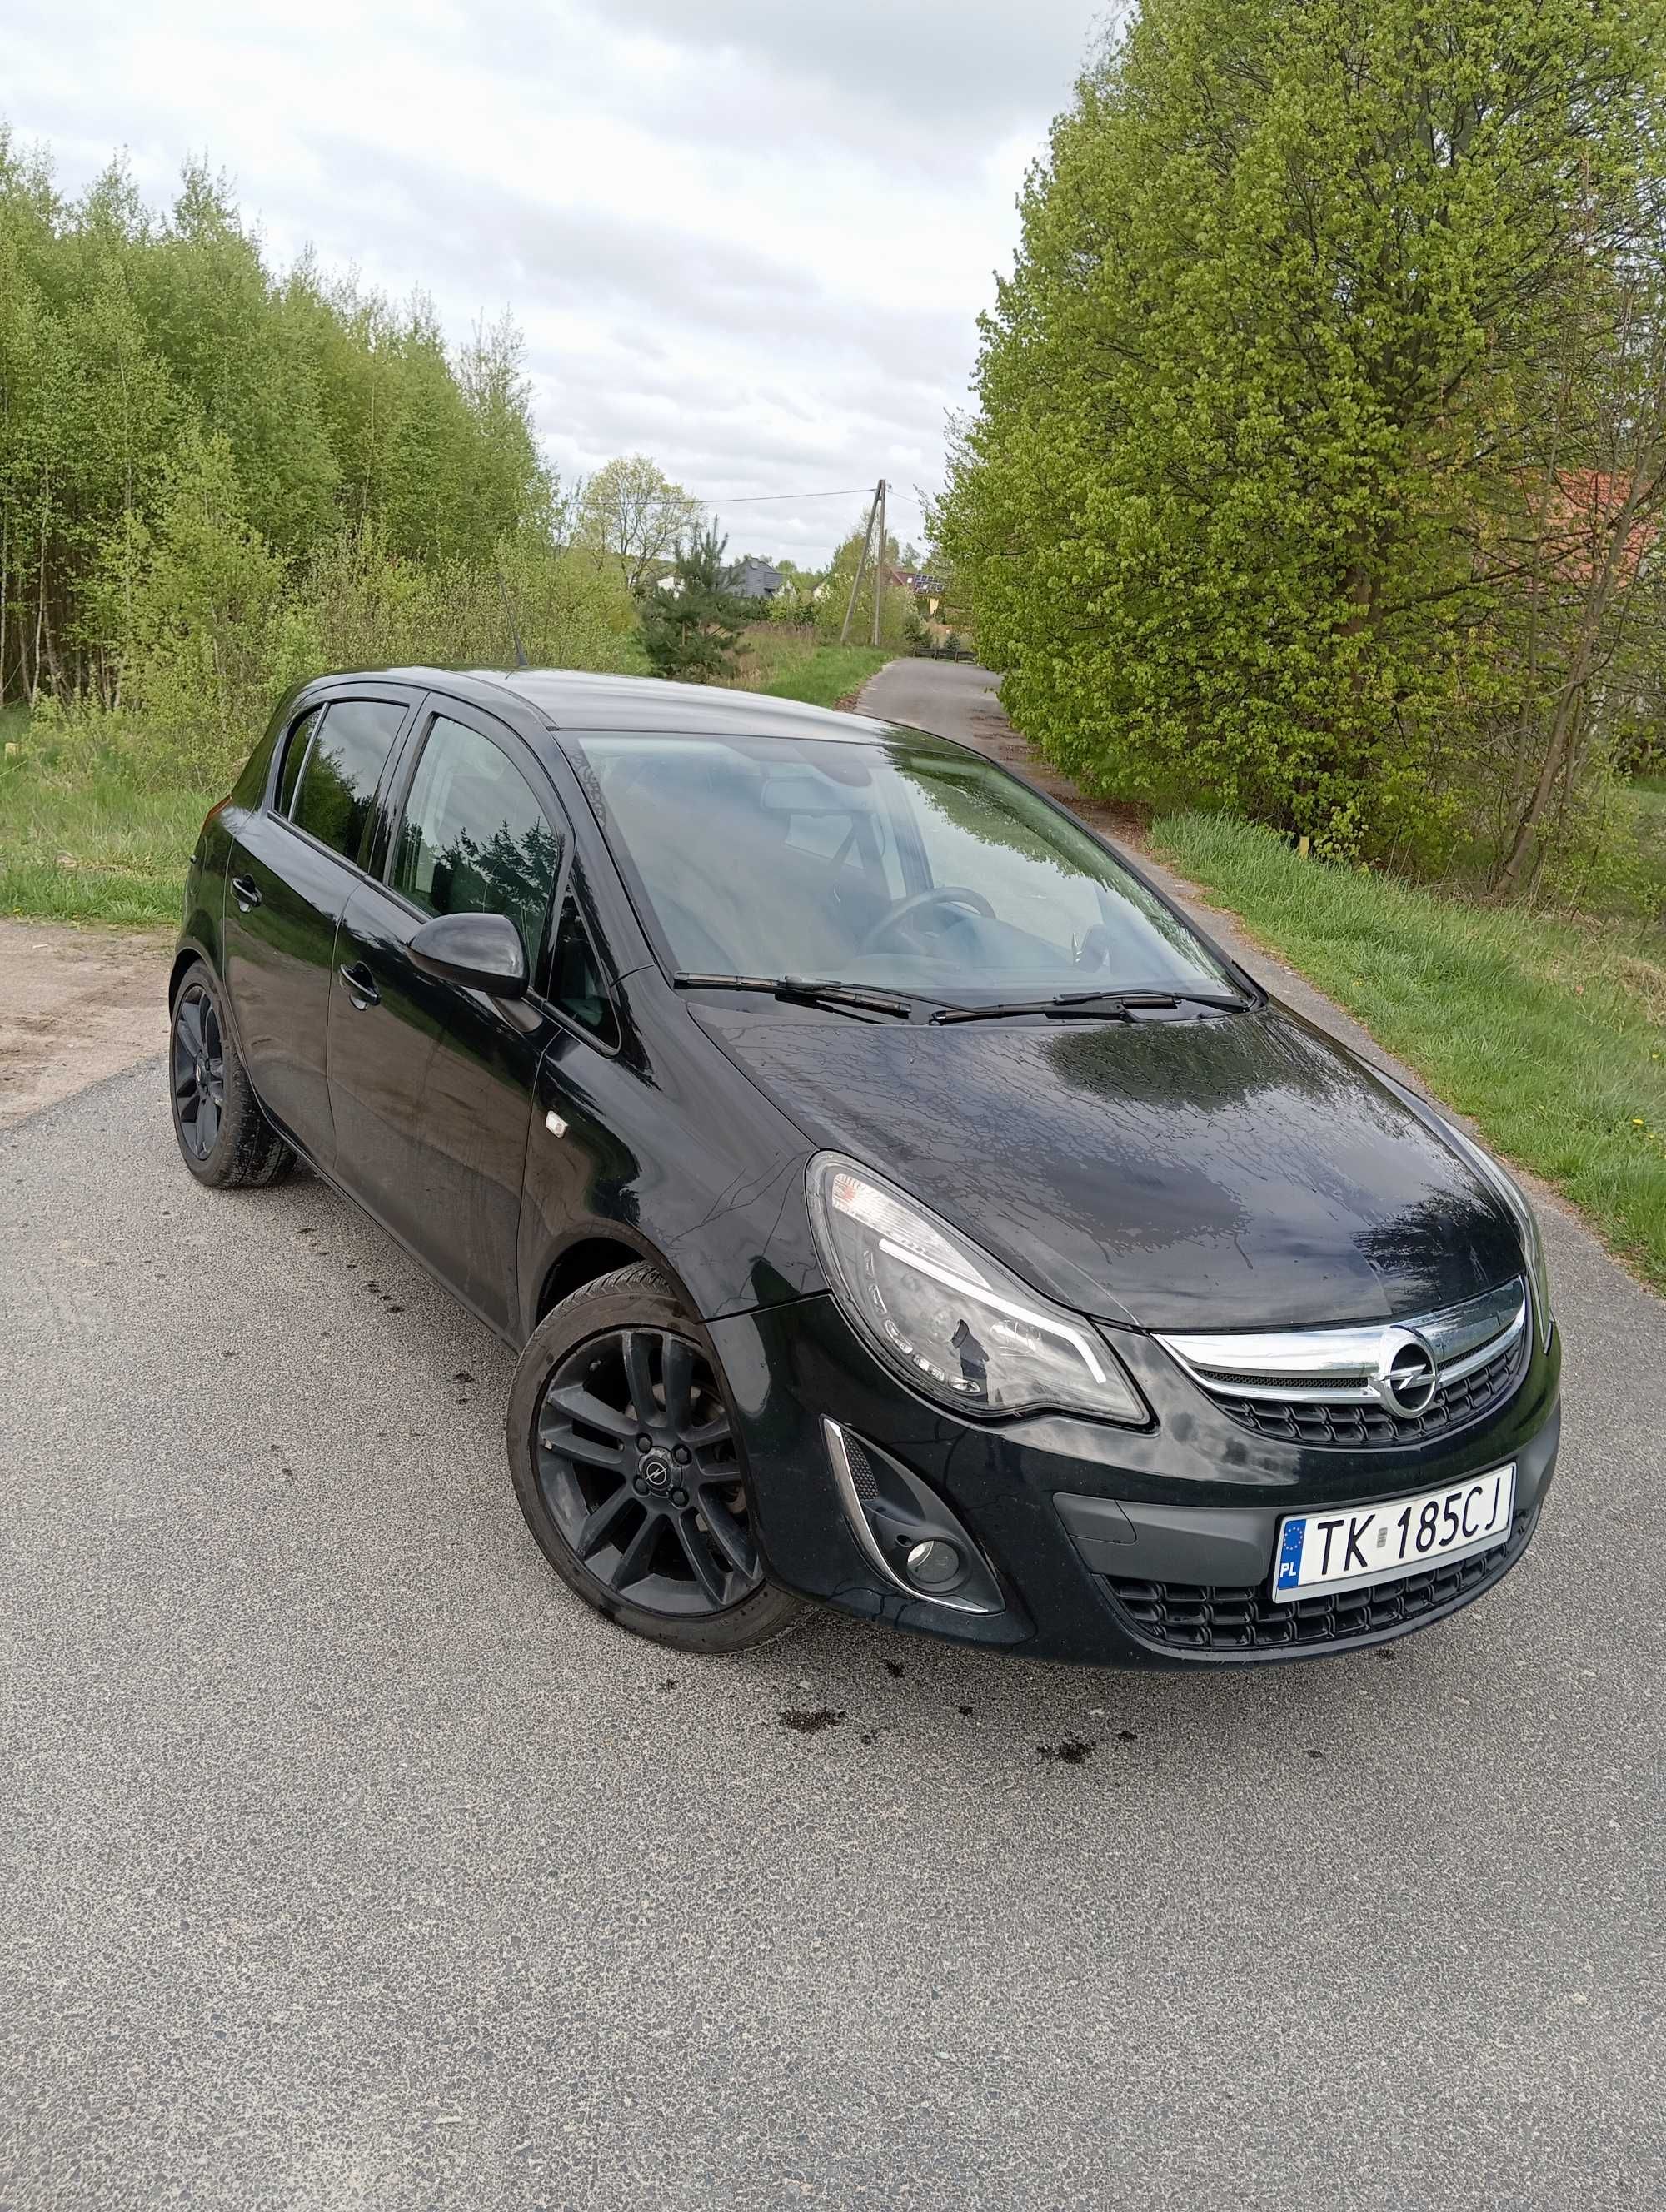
pixel 200 1072
pixel 636 1459
pixel 629 1472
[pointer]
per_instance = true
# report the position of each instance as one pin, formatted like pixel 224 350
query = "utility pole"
pixel 867 540
pixel 879 565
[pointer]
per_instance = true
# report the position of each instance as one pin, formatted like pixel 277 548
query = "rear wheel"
pixel 224 1138
pixel 627 1468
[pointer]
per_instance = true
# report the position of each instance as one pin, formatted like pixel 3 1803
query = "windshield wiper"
pixel 1092 1005
pixel 799 990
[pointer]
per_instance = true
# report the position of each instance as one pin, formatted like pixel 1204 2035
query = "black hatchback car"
pixel 893 1201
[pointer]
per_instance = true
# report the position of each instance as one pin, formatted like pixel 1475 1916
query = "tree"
pixel 143 351
pixel 633 513
pixel 213 636
pixel 1269 433
pixel 691 622
pixel 895 601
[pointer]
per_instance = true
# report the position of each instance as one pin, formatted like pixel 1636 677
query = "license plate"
pixel 1347 1546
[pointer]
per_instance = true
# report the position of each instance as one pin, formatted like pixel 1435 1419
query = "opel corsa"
pixel 892 1199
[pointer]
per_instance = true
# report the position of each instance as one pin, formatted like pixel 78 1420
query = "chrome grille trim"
pixel 1379 1383
pixel 1335 1366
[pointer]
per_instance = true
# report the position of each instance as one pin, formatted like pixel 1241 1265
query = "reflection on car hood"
pixel 1235 1173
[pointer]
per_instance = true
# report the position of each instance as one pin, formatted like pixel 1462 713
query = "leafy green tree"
pixel 1311 319
pixel 134 343
pixel 214 634
pixel 631 512
pixel 238 364
pixel 691 623
pixel 894 605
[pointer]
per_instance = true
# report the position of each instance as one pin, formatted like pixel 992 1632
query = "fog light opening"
pixel 935 1564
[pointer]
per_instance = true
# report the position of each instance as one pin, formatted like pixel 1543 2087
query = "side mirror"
pixel 481 951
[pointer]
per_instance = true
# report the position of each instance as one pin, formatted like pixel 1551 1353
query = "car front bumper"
pixel 1108 1545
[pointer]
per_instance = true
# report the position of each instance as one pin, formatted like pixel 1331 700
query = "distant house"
pixel 756 580
pixel 1580 513
pixel 921 586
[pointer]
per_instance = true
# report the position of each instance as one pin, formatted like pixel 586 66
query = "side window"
pixel 294 753
pixel 343 767
pixel 576 981
pixel 475 839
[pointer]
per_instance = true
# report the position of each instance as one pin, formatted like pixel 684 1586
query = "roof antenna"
pixel 521 661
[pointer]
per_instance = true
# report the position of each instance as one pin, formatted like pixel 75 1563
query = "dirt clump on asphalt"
pixel 75 1005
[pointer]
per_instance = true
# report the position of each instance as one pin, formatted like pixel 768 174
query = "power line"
pixel 758 498
pixel 762 498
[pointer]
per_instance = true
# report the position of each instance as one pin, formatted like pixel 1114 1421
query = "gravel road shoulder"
pixel 75 1005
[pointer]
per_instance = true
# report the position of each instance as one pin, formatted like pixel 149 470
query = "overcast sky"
pixel 748 237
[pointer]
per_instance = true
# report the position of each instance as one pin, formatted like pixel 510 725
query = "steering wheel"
pixel 956 896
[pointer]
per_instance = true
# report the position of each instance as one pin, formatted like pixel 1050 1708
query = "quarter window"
pixel 575 984
pixel 343 767
pixel 475 839
pixel 294 753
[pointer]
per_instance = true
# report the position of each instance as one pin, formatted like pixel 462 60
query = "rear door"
pixel 292 870
pixel 431 1084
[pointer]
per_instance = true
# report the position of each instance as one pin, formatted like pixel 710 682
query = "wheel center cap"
pixel 657 1470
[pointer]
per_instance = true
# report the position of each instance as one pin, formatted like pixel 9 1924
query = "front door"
pixel 431 1084
pixel 292 870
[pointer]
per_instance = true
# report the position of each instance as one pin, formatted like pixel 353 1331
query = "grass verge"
pixel 789 666
pixel 1551 1035
pixel 95 850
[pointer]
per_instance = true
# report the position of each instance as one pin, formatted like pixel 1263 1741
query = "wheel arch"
pixel 186 957
pixel 592 1250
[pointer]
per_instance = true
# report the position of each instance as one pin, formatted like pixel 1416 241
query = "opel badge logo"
pixel 1407 1377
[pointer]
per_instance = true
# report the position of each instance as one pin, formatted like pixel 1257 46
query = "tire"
pixel 223 1137
pixel 632 1480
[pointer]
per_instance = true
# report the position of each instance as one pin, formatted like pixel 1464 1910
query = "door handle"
pixel 361 983
pixel 245 891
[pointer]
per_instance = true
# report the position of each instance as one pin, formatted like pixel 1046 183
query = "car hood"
pixel 1245 1172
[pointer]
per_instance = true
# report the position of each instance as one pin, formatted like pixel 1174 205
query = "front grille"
pixel 1304 1421
pixel 1206 1617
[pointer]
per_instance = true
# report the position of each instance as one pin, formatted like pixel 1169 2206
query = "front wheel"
pixel 626 1467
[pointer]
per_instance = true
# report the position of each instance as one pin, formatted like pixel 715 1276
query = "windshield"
pixel 901 863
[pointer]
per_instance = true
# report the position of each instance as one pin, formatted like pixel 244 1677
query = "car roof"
pixel 574 699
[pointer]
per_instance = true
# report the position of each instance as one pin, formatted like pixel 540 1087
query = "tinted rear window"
pixel 338 783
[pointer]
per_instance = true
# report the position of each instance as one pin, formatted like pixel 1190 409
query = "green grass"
pixel 820 675
pixel 1552 1035
pixel 94 849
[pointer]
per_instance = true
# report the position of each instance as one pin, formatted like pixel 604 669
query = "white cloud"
pixel 748 238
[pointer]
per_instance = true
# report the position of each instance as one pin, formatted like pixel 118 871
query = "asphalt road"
pixel 349 1861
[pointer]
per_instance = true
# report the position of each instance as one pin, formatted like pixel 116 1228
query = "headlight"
pixel 951 1320
pixel 1521 1213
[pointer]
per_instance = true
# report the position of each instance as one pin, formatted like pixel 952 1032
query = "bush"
pixel 215 633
